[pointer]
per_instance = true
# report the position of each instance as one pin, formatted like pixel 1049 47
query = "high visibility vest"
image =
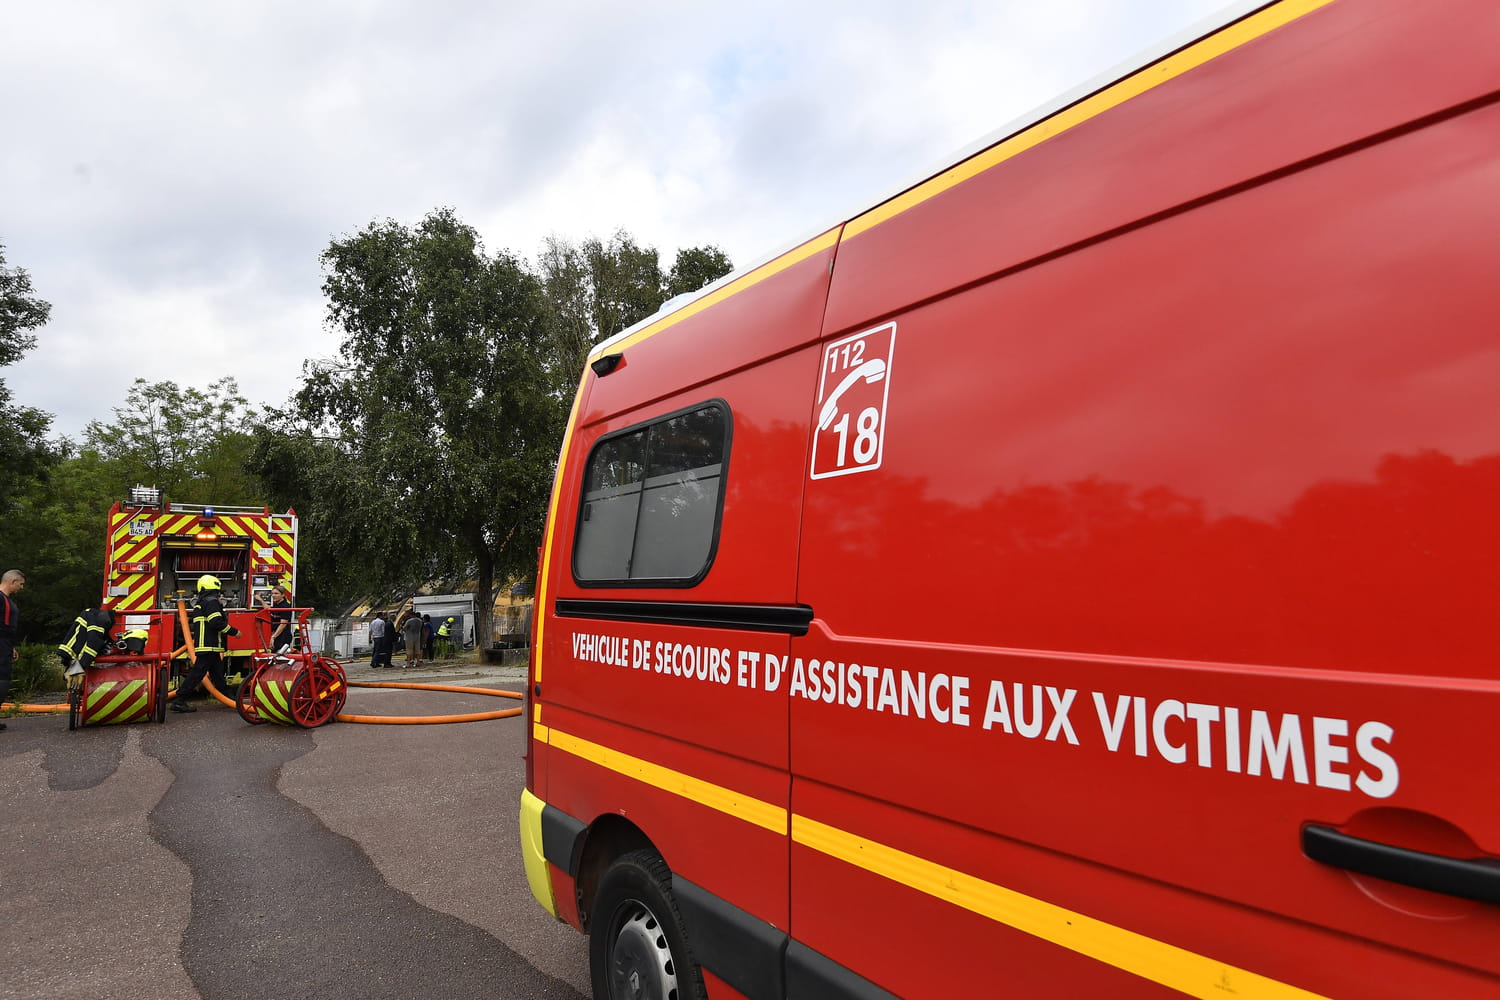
pixel 443 630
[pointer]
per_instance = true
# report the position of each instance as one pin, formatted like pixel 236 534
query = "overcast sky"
pixel 170 171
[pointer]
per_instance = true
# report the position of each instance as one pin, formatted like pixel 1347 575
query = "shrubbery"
pixel 36 671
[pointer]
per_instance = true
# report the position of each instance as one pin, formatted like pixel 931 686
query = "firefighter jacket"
pixel 89 637
pixel 210 625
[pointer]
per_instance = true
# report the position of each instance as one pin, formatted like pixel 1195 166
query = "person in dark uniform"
pixel 13 581
pixel 281 620
pixel 209 626
pixel 88 639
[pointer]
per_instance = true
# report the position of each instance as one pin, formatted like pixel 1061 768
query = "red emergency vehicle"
pixel 1076 575
pixel 156 549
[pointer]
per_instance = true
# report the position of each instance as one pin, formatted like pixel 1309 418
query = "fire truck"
pixel 155 550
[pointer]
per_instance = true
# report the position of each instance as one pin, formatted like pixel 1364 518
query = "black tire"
pixel 637 947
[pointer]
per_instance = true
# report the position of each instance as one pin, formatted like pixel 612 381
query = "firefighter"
pixel 445 636
pixel 89 638
pixel 209 625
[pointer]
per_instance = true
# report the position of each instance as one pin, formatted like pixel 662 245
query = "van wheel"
pixel 637 948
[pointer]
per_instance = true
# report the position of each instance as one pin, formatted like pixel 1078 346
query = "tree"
pixel 19 312
pixel 695 268
pixel 190 443
pixel 432 436
pixel 62 546
pixel 186 441
pixel 596 289
pixel 26 456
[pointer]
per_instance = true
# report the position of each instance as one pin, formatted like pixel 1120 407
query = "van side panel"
pixel 1337 75
pixel 1181 541
pixel 649 714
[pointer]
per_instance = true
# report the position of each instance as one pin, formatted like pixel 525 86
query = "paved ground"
pixel 208 858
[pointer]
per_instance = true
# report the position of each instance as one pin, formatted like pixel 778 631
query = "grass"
pixel 36 672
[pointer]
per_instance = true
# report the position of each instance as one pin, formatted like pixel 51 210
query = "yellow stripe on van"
pixel 1195 55
pixel 751 810
pixel 796 255
pixel 1182 970
pixel 539 603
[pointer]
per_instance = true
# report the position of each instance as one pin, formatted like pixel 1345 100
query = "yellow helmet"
pixel 207 582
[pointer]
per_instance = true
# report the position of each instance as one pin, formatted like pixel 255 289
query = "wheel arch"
pixel 608 837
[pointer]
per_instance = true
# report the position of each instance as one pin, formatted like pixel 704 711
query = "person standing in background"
pixel 429 636
pixel 12 582
pixel 411 631
pixel 281 620
pixel 377 640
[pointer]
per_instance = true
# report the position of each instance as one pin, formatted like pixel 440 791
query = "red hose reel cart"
pixel 298 688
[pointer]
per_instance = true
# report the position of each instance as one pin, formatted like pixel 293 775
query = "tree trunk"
pixel 484 603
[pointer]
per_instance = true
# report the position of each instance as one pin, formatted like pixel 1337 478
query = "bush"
pixel 36 671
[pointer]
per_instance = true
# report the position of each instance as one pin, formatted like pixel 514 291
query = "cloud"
pixel 174 170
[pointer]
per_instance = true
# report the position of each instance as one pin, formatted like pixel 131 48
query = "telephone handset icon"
pixel 871 371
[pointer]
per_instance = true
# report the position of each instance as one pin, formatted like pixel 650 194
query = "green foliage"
pixel 189 443
pixel 596 289
pixel 426 448
pixel 318 478
pixel 62 550
pixel 37 670
pixel 696 267
pixel 20 311
pixel 182 440
pixel 26 457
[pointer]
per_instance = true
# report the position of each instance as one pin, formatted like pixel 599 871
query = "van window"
pixel 651 502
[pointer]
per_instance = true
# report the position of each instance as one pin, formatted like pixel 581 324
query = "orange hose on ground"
pixel 222 699
pixel 373 720
pixel 427 720
pixel 493 692
pixel 34 709
pixel 432 720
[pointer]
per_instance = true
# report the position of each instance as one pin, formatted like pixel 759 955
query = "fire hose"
pixel 382 720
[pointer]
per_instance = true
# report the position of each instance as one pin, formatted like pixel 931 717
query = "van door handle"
pixel 1466 878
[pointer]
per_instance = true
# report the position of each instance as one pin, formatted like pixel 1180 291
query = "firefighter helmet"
pixel 134 641
pixel 208 582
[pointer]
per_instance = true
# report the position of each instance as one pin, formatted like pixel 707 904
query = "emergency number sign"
pixel 853 387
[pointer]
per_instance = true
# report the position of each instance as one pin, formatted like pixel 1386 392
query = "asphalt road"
pixel 209 858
